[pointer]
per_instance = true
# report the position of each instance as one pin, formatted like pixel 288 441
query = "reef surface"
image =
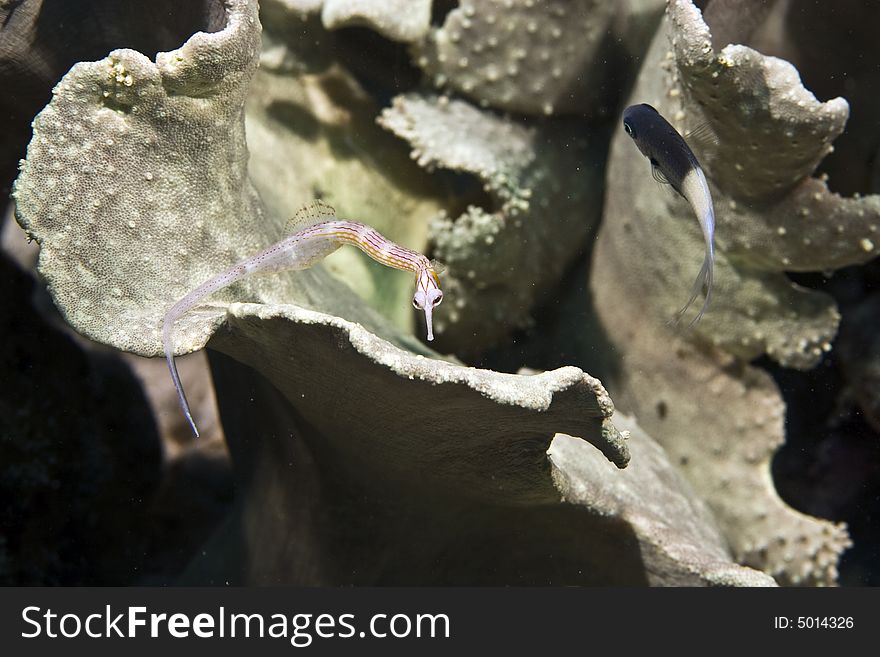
pixel 557 412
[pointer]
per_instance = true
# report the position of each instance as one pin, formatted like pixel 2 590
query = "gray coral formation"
pixel 407 485
pixel 417 455
pixel 146 161
pixel 854 166
pixel 772 134
pixel 723 419
pixel 410 436
pixel 146 176
pixel 152 161
pixel 533 57
pixel 406 21
pixel 536 71
pixel 677 535
pixel 545 204
pixel 42 39
pixel 771 215
pixel 399 20
pixel 165 227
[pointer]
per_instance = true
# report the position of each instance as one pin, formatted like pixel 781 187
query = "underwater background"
pixel 558 431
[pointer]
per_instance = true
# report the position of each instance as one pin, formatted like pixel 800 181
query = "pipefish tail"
pixel 301 250
pixel 673 162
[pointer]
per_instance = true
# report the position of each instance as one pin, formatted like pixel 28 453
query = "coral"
pixel 406 21
pixel 43 39
pixel 399 20
pixel 359 456
pixel 821 56
pixel 771 216
pixel 136 189
pixel 70 480
pixel 133 162
pixel 532 57
pixel 566 399
pixel 432 497
pixel 508 54
pixel 302 7
pixel 772 134
pixel 678 539
pixel 545 205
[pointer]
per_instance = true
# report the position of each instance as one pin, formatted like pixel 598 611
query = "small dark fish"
pixel 674 163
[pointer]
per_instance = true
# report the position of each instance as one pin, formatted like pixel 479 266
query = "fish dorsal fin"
pixel 701 135
pixel 311 214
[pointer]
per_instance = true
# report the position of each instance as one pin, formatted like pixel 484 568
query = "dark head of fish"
pixel 659 142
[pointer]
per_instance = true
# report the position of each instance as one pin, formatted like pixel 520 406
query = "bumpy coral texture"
pixel 136 165
pixel 521 55
pixel 138 186
pixel 154 224
pixel 152 160
pixel 719 417
pixel 546 201
pixel 772 216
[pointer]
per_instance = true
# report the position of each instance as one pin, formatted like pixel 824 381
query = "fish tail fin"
pixel 705 279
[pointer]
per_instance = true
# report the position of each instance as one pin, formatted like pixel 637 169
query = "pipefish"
pixel 301 250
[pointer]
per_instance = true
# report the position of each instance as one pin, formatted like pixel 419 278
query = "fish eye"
pixel 438 299
pixel 628 128
pixel 416 304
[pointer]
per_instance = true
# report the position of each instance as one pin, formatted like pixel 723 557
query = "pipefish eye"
pixel 629 130
pixel 438 299
pixel 416 304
